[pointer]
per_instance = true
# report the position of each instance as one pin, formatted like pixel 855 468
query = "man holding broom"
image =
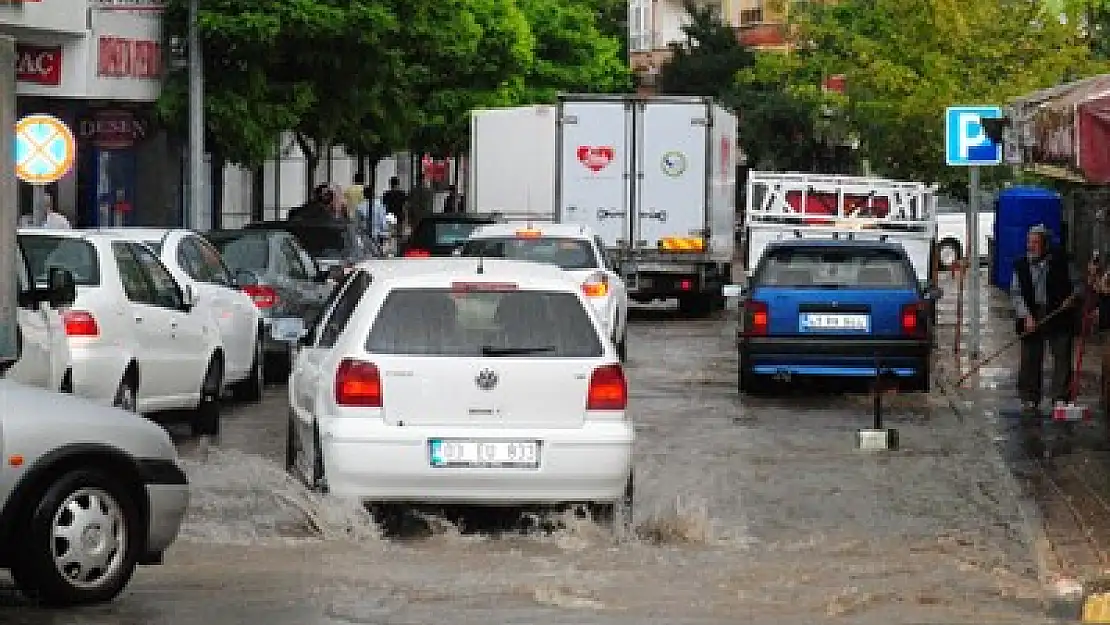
pixel 1046 292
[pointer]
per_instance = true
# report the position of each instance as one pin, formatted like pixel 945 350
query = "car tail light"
pixel 417 253
pixel 358 384
pixel 80 323
pixel 608 389
pixel 597 286
pixel 755 318
pixel 912 319
pixel 263 296
pixel 685 285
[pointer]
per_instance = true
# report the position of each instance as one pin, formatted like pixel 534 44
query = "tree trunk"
pixel 258 194
pixel 218 164
pixel 311 160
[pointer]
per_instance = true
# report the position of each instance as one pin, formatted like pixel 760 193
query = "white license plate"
pixel 472 453
pixel 809 322
pixel 287 328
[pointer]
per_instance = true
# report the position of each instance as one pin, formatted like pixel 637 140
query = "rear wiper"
pixel 490 350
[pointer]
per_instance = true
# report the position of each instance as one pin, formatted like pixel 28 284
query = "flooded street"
pixel 755 510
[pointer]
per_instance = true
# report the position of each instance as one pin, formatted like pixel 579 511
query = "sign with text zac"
pixel 119 57
pixel 41 65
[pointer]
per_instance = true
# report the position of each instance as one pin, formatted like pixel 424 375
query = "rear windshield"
pixel 451 233
pixel 835 267
pixel 75 255
pixel 322 242
pixel 519 324
pixel 250 252
pixel 566 253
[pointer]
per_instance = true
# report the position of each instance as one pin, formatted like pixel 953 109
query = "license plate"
pixel 484 454
pixel 809 322
pixel 287 329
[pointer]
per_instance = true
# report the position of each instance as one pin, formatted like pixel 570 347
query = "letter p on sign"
pixel 966 140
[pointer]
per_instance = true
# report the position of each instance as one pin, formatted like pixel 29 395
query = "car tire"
pixel 745 377
pixel 922 380
pixel 67 506
pixel 127 394
pixel 252 388
pixel 617 516
pixel 950 249
pixel 206 418
pixel 695 305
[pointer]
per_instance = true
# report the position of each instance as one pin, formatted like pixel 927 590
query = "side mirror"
pixel 245 277
pixel 62 289
pixel 188 298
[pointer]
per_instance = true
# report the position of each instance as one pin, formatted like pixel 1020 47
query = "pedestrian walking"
pixel 1045 283
pixel 453 203
pixel 353 196
pixel 372 220
pixel 395 200
pixel 318 207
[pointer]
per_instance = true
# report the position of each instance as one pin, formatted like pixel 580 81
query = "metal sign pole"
pixel 195 196
pixel 38 204
pixel 974 296
pixel 9 205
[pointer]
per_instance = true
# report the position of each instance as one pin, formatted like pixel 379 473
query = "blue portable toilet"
pixel 1017 210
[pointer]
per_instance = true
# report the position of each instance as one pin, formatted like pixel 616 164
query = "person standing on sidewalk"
pixel 1045 282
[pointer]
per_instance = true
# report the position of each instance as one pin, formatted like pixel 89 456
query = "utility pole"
pixel 9 211
pixel 194 198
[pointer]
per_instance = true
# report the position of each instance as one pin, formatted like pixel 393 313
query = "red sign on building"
pixel 118 57
pixel 41 65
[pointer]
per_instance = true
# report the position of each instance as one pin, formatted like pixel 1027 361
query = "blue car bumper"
pixel 834 356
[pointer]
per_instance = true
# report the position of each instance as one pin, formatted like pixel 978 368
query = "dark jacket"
pixel 312 211
pixel 1059 288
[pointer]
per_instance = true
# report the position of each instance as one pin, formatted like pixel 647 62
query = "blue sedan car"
pixel 838 308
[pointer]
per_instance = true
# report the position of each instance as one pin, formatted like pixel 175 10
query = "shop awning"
pixel 1066 128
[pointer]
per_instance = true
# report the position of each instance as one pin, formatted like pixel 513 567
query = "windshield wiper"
pixel 490 350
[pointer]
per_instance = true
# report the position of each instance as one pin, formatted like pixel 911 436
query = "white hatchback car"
pixel 574 248
pixel 467 381
pixel 135 338
pixel 196 263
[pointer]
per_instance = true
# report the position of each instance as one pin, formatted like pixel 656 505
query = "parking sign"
pixel 966 141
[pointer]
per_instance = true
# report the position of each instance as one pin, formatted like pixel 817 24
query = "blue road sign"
pixel 966 141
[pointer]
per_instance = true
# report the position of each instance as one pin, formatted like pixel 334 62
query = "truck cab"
pixel 44 359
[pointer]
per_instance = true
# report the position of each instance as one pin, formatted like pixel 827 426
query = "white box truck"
pixel 654 176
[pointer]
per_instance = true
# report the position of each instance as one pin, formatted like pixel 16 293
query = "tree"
pixel 572 53
pixel 906 60
pixel 705 63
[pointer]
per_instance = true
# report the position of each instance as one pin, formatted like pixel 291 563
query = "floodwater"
pixel 749 509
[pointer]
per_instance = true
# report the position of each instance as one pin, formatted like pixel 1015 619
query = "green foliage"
pixel 707 61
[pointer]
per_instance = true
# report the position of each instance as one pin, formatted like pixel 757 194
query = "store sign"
pixel 114 129
pixel 118 57
pixel 41 65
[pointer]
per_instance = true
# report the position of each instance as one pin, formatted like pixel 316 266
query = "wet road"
pixel 754 510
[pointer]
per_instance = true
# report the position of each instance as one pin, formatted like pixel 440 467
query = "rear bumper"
pixel 834 356
pixel 373 461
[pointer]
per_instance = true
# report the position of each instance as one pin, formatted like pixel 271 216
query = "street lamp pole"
pixel 195 187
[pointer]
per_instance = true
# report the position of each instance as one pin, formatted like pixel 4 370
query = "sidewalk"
pixel 1063 471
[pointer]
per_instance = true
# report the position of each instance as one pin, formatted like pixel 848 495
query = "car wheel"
pixel 206 419
pixel 80 544
pixel 949 253
pixel 745 377
pixel 252 388
pixel 695 305
pixel 617 515
pixel 922 380
pixel 127 394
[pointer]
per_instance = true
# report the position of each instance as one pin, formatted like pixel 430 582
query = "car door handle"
pixel 173 324
pixel 138 319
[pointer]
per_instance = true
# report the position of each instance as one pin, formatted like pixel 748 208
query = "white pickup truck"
pixel 952 229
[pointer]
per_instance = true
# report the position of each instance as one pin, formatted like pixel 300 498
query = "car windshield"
pixel 451 233
pixel 462 322
pixel 834 267
pixel 250 251
pixel 564 252
pixel 321 241
pixel 75 255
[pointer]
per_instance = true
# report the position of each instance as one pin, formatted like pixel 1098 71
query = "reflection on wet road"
pixel 754 510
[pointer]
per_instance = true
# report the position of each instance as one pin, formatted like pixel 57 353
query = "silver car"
pixel 87 492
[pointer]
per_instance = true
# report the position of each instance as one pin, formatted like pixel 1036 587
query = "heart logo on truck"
pixel 596 157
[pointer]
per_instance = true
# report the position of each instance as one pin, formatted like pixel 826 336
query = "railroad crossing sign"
pixel 965 137
pixel 44 149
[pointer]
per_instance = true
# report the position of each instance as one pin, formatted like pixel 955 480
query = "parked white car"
pixel 467 381
pixel 44 351
pixel 135 337
pixel 87 492
pixel 577 250
pixel 196 263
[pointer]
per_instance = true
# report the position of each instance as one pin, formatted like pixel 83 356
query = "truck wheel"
pixel 695 305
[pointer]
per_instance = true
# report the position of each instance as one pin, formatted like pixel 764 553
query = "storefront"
pixel 102 79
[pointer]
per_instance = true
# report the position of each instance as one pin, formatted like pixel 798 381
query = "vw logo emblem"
pixel 486 380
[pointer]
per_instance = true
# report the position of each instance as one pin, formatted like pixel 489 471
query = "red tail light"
pixel 913 319
pixel 608 389
pixel 80 323
pixel 686 285
pixel 417 253
pixel 263 296
pixel 755 318
pixel 358 384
